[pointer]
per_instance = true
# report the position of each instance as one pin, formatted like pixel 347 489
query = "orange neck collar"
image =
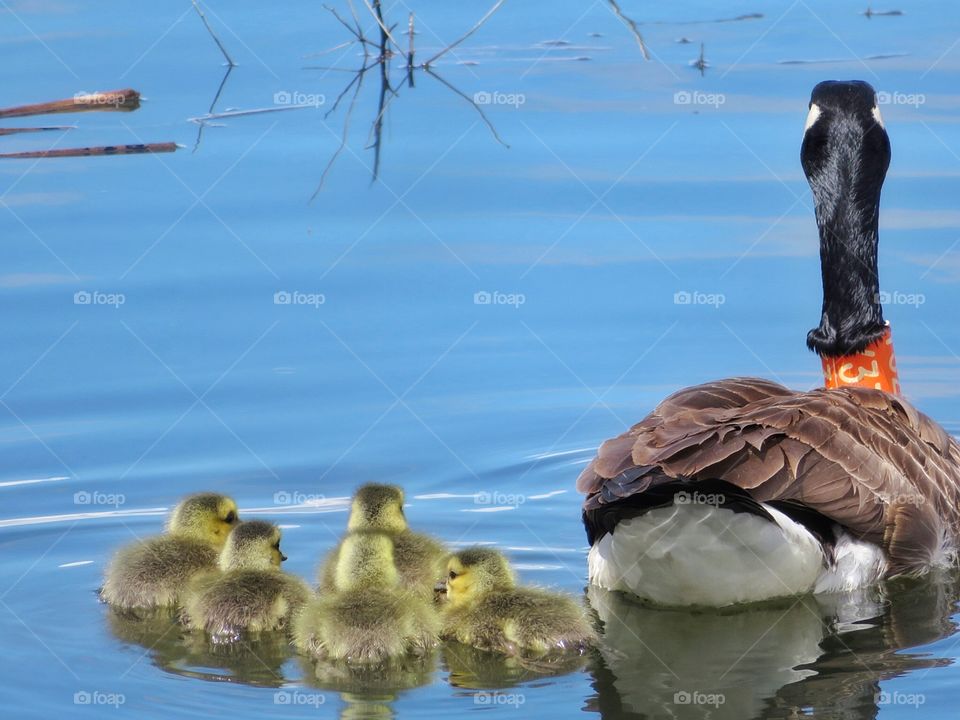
pixel 875 367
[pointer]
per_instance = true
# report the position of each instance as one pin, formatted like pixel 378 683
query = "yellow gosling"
pixel 367 616
pixel 250 593
pixel 486 609
pixel 153 573
pixel 420 560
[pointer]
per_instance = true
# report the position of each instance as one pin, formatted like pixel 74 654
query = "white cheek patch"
pixel 877 116
pixel 812 116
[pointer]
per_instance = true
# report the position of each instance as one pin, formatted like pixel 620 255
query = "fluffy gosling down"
pixel 487 610
pixel 250 593
pixel 368 616
pixel 154 573
pixel 419 559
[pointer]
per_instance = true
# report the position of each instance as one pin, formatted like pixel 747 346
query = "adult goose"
pixel 741 490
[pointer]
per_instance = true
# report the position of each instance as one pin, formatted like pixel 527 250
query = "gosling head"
pixel 377 507
pixel 208 517
pixel 477 570
pixel 253 545
pixel 366 560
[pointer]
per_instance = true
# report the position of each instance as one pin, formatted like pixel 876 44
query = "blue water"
pixel 625 185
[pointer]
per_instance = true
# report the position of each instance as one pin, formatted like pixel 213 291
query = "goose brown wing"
pixel 682 410
pixel 861 458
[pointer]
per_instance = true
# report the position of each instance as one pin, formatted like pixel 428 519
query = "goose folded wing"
pixel 861 458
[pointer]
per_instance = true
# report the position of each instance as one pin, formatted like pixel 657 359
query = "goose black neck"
pixel 845 158
pixel 851 317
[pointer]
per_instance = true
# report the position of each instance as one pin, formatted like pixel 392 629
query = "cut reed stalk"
pixel 103 150
pixel 125 100
pixel 14 131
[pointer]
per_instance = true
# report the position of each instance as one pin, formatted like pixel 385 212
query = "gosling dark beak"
pixel 283 558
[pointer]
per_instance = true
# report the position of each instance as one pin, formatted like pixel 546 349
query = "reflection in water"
pixel 826 654
pixel 251 661
pixel 377 55
pixel 367 706
pixel 369 692
pixel 474 669
pixel 380 680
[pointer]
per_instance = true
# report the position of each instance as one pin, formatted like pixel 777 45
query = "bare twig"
pixel 333 11
pixel 387 92
pixel 196 6
pixel 373 137
pixel 356 18
pixel 378 122
pixel 410 31
pixel 383 27
pixel 376 129
pixel 470 32
pixel 213 104
pixel 632 26
pixel 343 139
pixel 476 107
pixel 102 150
pixel 244 113
pixel 359 75
pixel 701 62
pixel 357 33
pixel 342 45
pixel 329 68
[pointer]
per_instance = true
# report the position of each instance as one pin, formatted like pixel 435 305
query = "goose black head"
pixel 845 155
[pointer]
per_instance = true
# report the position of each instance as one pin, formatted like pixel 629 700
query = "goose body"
pixel 742 490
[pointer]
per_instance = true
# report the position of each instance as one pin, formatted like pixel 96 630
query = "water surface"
pixel 471 324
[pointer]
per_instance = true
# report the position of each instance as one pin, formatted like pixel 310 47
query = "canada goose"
pixel 419 559
pixel 153 573
pixel 369 615
pixel 488 611
pixel 741 490
pixel 250 592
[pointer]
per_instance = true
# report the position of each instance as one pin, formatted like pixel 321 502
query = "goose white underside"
pixel 701 554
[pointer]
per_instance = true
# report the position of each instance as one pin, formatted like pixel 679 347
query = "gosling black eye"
pixel 276 545
pixel 231 516
pixel 453 575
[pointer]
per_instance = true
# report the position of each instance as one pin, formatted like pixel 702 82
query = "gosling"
pixel 487 610
pixel 153 574
pixel 419 559
pixel 250 593
pixel 368 616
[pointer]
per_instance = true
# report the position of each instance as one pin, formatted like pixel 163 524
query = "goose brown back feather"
pixel 863 459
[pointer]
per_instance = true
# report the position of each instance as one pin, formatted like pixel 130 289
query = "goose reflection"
pixel 825 655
